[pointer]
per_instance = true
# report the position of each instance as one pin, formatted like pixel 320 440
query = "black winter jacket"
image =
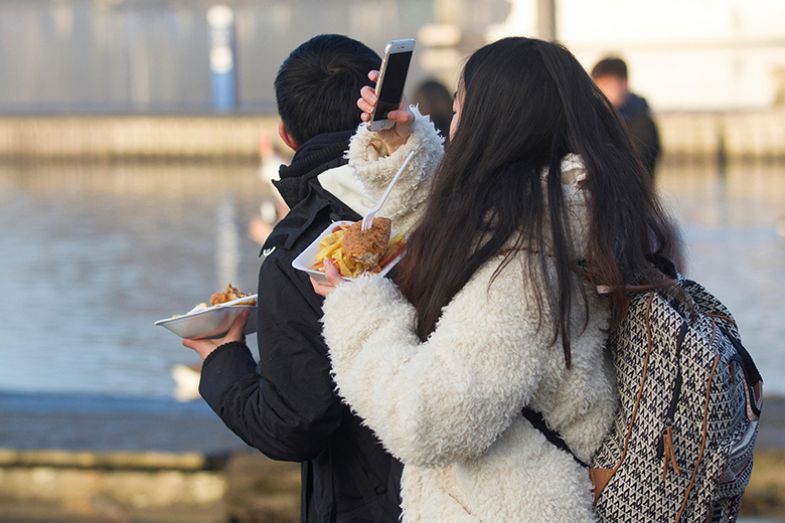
pixel 287 407
pixel 643 131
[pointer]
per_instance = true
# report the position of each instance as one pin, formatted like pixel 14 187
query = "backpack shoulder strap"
pixel 536 419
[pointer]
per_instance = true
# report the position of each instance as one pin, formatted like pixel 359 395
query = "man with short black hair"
pixel 610 75
pixel 288 408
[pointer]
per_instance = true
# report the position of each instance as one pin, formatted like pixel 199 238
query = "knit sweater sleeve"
pixel 375 171
pixel 449 398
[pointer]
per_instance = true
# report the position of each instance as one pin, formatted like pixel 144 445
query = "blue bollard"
pixel 223 71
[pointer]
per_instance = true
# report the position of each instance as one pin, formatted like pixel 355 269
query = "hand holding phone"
pixel 391 81
pixel 402 118
pixel 396 127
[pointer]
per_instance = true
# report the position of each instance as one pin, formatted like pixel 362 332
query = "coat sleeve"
pixel 448 398
pixel 375 172
pixel 287 407
pixel 646 140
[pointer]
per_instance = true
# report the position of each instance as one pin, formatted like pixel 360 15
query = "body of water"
pixel 733 226
pixel 92 255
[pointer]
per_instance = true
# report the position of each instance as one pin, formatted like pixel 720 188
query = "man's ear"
pixel 286 137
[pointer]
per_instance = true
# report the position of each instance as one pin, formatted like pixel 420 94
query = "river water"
pixel 92 255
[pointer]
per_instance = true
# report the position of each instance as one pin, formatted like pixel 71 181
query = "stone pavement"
pixel 71 422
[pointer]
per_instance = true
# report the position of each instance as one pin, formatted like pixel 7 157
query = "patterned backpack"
pixel 681 446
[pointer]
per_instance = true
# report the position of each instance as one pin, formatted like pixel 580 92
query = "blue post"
pixel 223 70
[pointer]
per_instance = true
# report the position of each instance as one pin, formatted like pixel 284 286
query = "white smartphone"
pixel 392 78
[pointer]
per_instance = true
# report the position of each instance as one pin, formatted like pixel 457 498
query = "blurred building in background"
pixel 683 54
pixel 712 70
pixel 154 56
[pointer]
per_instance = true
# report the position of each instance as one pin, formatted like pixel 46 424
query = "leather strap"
pixel 536 419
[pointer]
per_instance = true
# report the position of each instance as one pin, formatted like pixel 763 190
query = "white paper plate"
pixel 305 261
pixel 212 322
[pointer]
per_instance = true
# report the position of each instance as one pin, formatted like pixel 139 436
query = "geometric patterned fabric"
pixel 680 449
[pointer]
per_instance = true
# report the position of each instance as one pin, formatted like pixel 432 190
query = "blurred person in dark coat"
pixel 610 75
pixel 435 100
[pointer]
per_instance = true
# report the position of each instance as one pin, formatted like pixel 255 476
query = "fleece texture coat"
pixel 450 407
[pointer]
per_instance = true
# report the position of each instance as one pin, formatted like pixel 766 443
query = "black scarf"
pixel 319 154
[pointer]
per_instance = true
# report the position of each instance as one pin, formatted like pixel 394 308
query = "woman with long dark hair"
pixel 493 330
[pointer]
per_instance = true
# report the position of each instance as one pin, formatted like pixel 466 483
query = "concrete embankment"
pixel 107 138
pixel 89 482
pixel 186 478
pixel 145 487
pixel 73 458
pixel 730 135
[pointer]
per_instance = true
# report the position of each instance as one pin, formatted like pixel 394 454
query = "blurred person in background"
pixel 610 75
pixel 435 100
pixel 270 210
pixel 287 407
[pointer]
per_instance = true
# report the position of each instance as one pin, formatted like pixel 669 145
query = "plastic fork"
pixel 368 219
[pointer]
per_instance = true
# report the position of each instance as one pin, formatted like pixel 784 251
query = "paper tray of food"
pixel 214 320
pixel 372 252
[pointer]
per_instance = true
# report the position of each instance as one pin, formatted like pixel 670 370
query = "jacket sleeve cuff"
pixel 375 172
pixel 222 369
pixel 374 169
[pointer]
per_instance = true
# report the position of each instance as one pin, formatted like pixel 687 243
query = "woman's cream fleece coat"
pixel 450 408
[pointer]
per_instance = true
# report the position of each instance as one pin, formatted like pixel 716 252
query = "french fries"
pixel 331 248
